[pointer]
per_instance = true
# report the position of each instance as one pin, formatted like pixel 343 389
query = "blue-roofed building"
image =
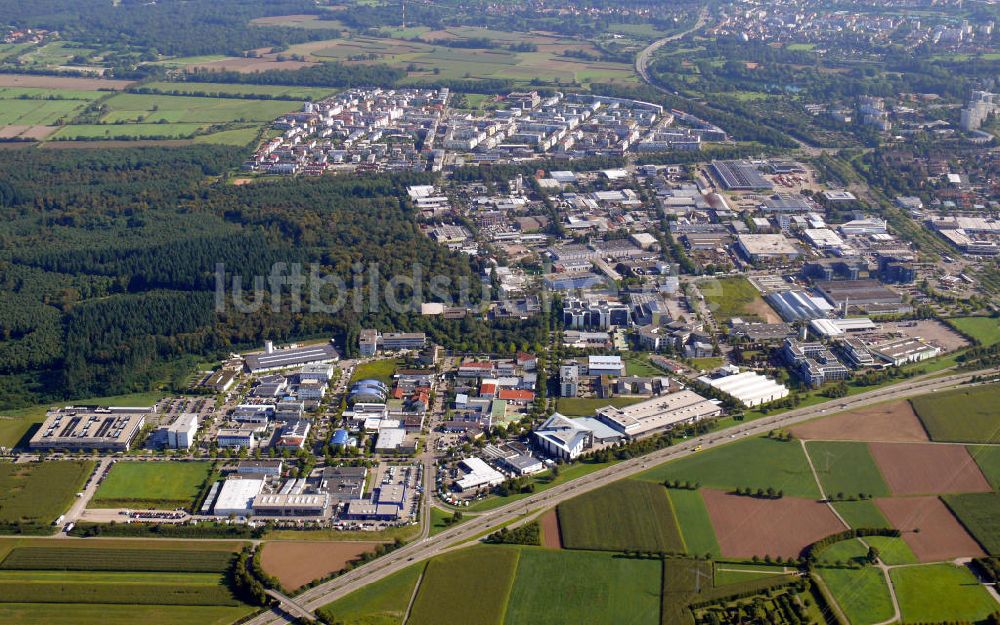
pixel 339 437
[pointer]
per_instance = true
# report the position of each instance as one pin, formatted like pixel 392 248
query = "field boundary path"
pixel 879 563
pixel 413 598
pixel 80 503
pixel 466 533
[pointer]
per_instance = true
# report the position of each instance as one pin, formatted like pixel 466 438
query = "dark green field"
pixel 754 463
pixel 572 588
pixel 109 559
pixel 965 415
pixel 620 516
pixel 988 459
pixel 846 467
pixel 695 524
pixel 980 514
pixel 861 514
pixel 37 493
pixel 468 587
pixel 130 588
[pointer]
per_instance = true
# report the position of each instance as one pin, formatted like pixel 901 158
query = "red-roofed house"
pixel 516 396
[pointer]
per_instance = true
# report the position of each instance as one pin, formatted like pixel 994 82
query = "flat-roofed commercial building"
pixel 285 505
pixel 765 248
pixel 344 483
pixel 260 467
pixel 659 413
pixel 479 475
pixel 903 350
pixel 798 305
pixel 88 427
pixel 740 176
pixel 274 359
pixel 398 341
pixel 236 497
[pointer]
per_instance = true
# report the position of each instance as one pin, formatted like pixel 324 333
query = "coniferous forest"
pixel 107 265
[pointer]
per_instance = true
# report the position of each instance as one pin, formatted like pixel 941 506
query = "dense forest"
pixel 170 27
pixel 108 259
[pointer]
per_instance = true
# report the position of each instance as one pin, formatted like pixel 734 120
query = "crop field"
pixel 548 63
pixel 444 597
pixel 940 535
pixel 38 493
pixel 941 592
pixel 846 467
pixel 586 407
pixel 968 415
pixel 108 558
pixel 925 469
pixel 891 422
pixel 62 82
pixel 106 614
pixel 747 526
pixel 754 463
pixel 623 515
pixel 215 89
pixel 988 459
pixel 695 524
pixel 381 603
pixel 736 297
pixel 169 109
pixel 980 514
pixel 986 330
pixel 295 564
pixel 861 593
pixel 861 514
pixel 28 112
pixel 569 588
pixel 893 551
pixel 115 588
pixel 236 136
pixel 151 484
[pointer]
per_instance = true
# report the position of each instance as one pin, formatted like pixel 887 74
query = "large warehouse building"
pixel 236 497
pixel 275 359
pixel 749 388
pixel 85 428
pixel 658 413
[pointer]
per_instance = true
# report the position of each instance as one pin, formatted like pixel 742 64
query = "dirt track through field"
pixel 551 536
pixel 941 536
pixel 893 422
pixel 747 527
pixel 296 564
pixel 928 469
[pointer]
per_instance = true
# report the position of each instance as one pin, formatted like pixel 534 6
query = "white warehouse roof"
pixel 480 474
pixel 748 388
pixel 839 327
pixel 236 497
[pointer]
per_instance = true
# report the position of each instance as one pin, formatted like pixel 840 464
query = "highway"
pixel 427 547
pixel 642 59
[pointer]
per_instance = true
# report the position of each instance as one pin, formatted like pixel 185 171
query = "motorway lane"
pixel 452 538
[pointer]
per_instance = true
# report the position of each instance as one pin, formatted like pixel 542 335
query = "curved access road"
pixel 642 59
pixel 467 533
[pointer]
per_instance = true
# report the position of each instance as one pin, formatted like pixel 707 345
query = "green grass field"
pixel 381 603
pixel 988 459
pixel 623 515
pixel 846 467
pixel 127 132
pixel 861 593
pixel 892 551
pixel 734 297
pixel 38 493
pixel 151 485
pixel 986 330
pixel 104 614
pixel 963 415
pixel 941 592
pixel 445 596
pixel 638 364
pixel 171 560
pixel 725 573
pixel 695 524
pixel 861 514
pixel 152 109
pixel 569 588
pixel 223 89
pixel 755 462
pixel 381 370
pixel 236 136
pixel 586 407
pixel 980 514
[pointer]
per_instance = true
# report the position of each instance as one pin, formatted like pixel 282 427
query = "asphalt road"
pixel 642 59
pixel 428 547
